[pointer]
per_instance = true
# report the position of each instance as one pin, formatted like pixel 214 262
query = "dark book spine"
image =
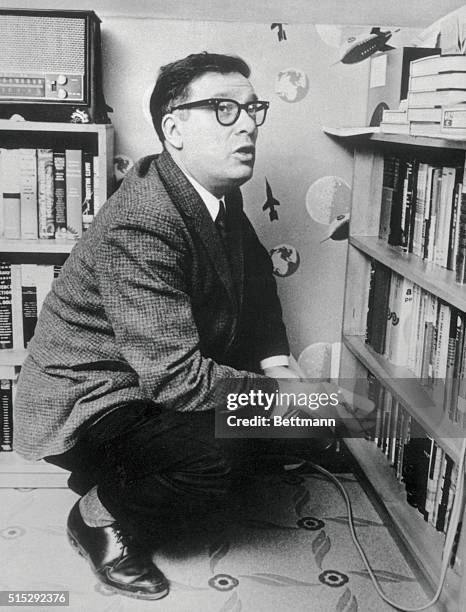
pixel 6 320
pixel 59 193
pixel 29 303
pixel 395 234
pixel 382 277
pixel 6 404
pixel 460 265
pixel 442 509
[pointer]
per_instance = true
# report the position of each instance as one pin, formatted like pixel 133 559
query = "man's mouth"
pixel 245 153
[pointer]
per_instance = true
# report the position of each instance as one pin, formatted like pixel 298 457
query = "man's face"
pixel 217 156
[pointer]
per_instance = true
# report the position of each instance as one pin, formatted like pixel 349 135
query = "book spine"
pixel 45 193
pixel 6 321
pixel 28 180
pixel 88 190
pixel 96 184
pixel 59 194
pixel 16 306
pixel 11 194
pixel 6 405
pixel 29 301
pixel 74 180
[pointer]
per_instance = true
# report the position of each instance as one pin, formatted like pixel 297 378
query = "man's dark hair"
pixel 172 85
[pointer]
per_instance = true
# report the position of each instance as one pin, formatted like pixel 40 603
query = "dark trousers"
pixel 160 472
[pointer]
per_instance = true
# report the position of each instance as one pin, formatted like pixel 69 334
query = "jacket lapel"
pixel 192 208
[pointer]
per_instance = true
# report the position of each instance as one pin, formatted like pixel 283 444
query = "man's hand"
pixel 281 372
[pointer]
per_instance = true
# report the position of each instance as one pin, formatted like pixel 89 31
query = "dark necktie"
pixel 221 223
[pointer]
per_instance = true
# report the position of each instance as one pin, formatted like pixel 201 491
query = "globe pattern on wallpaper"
pixel 315 360
pixel 121 164
pixel 328 197
pixel 291 85
pixel 285 260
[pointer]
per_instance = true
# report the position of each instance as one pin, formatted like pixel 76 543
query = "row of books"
pixel 437 84
pixel 427 472
pixel 414 329
pixel 423 211
pixel 23 288
pixel 7 394
pixel 47 193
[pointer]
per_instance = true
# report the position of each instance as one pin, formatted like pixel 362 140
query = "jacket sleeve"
pixel 141 274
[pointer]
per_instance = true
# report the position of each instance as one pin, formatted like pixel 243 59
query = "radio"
pixel 50 66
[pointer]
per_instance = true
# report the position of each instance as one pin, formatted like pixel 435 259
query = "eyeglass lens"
pixel 229 111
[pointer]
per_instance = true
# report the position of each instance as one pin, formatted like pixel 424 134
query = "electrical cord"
pixel 455 518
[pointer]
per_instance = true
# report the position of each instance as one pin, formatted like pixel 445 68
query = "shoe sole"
pixel 133 594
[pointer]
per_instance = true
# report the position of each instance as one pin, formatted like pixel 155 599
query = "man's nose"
pixel 246 123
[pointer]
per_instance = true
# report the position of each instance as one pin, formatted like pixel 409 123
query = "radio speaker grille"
pixel 29 43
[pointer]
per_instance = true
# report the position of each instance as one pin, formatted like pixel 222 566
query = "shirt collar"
pixel 212 203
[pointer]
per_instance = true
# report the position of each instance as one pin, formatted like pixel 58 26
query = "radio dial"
pixel 62 93
pixel 61 79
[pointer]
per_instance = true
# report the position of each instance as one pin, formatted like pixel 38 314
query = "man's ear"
pixel 171 131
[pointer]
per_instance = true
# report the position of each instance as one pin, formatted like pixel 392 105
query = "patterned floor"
pixel 289 551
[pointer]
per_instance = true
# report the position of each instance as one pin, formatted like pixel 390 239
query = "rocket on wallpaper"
pixel 358 48
pixel 271 203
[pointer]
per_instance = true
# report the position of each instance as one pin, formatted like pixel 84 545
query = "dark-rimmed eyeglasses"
pixel 227 111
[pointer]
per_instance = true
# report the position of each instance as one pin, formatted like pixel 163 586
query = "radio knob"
pixel 62 93
pixel 61 79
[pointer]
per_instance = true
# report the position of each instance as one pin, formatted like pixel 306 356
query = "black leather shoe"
pixel 115 559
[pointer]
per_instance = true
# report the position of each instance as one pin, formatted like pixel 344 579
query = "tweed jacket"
pixel 148 307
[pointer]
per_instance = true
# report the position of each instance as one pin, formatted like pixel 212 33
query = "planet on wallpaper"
pixel 315 360
pixel 338 228
pixel 121 165
pixel 330 34
pixel 285 260
pixel 291 85
pixel 328 197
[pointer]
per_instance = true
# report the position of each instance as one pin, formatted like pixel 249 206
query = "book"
pixel 378 314
pixel 28 193
pixel 59 194
pixel 74 181
pixel 394 116
pixel 436 97
pixel 11 186
pixel 391 166
pixel 394 128
pixel 6 407
pixel 430 113
pixel 442 230
pixel 440 80
pixel 6 321
pixel 96 184
pixel 29 301
pixel 424 128
pixel 16 307
pixel 88 190
pixel 434 64
pixel 401 321
pixel 45 197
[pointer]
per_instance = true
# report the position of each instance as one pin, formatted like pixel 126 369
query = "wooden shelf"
pixel 439 281
pixel 12 358
pixel 421 539
pixel 406 388
pixel 374 135
pixel 36 246
pixel 18 473
pixel 45 126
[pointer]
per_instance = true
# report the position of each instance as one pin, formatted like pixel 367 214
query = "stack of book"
pixel 47 193
pixel 435 81
pixel 428 473
pixel 23 288
pixel 414 329
pixel 423 211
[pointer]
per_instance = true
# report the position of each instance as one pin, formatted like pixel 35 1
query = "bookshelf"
pixel 358 358
pixel 97 141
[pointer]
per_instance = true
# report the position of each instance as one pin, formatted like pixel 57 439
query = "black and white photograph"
pixel 233 305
